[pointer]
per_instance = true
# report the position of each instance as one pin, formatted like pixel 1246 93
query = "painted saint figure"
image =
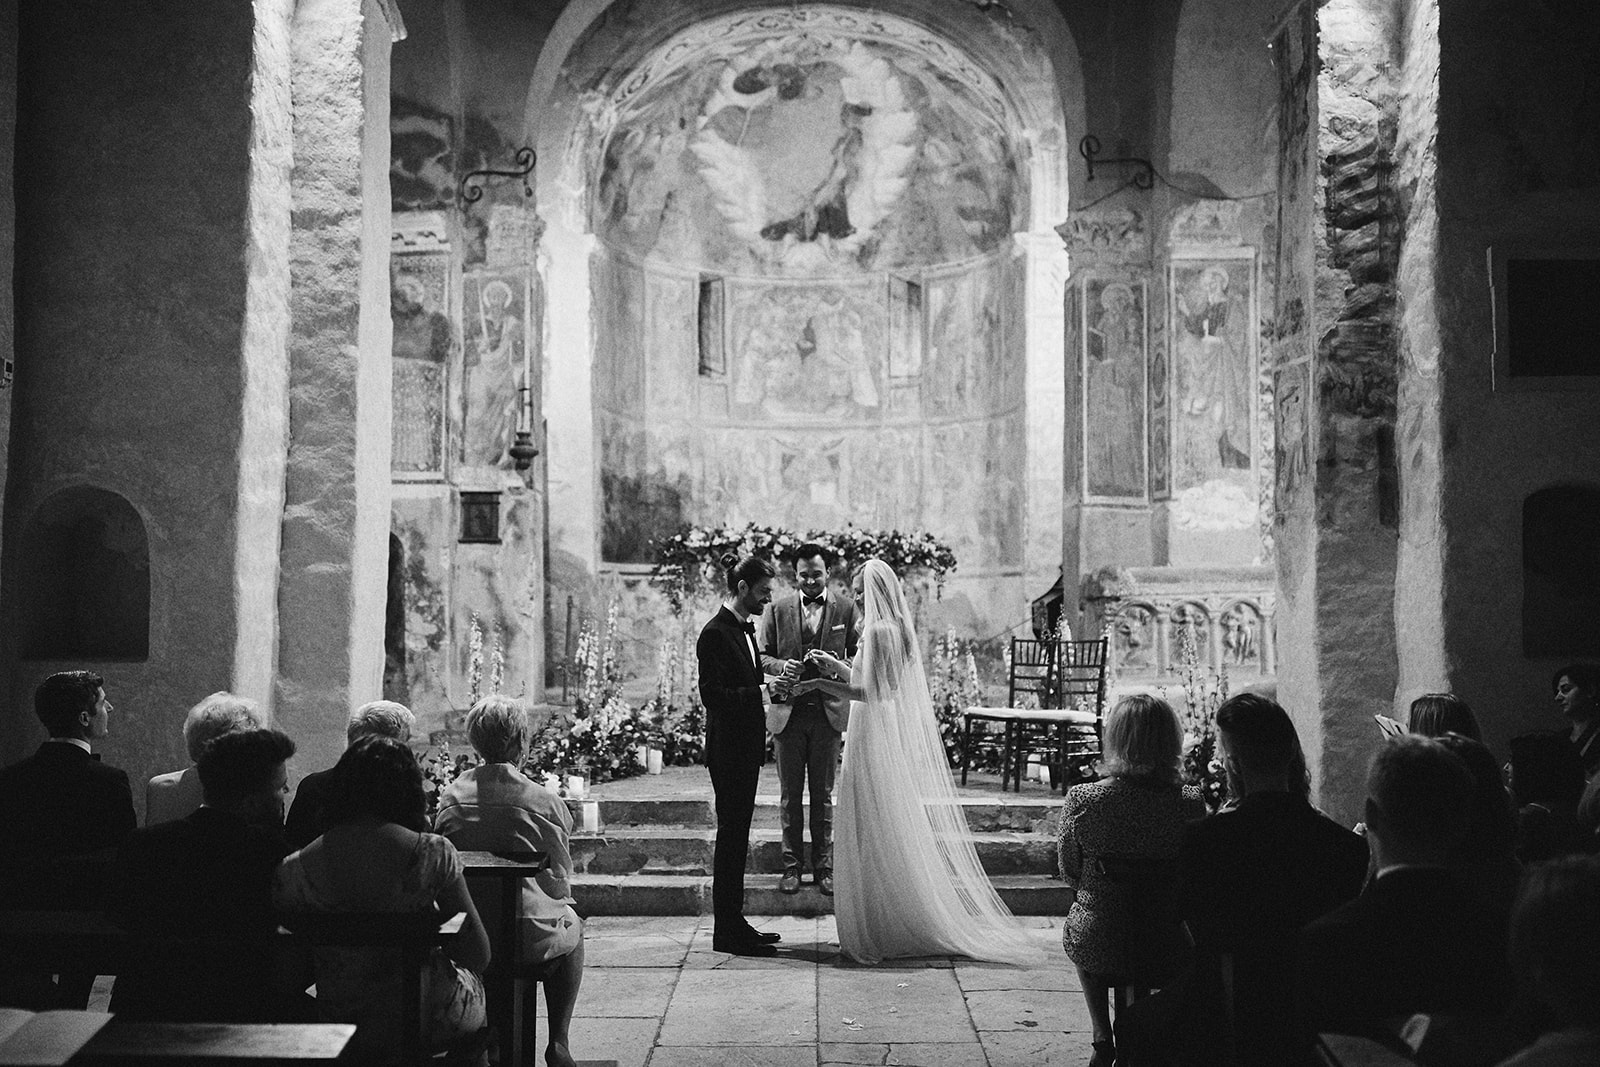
pixel 1213 368
pixel 1115 383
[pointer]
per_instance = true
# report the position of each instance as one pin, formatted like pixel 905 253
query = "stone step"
pixel 687 851
pixel 658 894
pixel 984 814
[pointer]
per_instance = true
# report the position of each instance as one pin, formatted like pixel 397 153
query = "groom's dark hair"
pixel 747 569
pixel 811 549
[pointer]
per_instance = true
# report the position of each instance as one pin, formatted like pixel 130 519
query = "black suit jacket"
pixel 730 688
pixel 1415 940
pixel 64 812
pixel 1252 877
pixel 206 878
pixel 305 822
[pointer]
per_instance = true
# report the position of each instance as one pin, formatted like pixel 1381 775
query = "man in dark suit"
pixel 807 731
pixel 1254 875
pixel 735 694
pixel 200 890
pixel 376 718
pixel 65 812
pixel 1415 940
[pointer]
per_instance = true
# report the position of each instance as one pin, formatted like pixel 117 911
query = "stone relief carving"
pixel 1241 635
pixel 1195 619
pixel 1134 637
pixel 1110 233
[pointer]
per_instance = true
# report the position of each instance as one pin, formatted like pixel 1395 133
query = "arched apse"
pixel 584 83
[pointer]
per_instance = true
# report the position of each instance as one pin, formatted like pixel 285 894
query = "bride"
pixel 907 881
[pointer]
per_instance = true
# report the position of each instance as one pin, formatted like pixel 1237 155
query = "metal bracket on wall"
pixel 1089 148
pixel 470 189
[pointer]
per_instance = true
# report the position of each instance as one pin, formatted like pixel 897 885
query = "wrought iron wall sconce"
pixel 1089 148
pixel 523 451
pixel 470 189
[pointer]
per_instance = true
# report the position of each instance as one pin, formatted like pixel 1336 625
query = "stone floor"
pixel 656 995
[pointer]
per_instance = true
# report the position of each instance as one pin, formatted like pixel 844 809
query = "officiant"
pixel 807 731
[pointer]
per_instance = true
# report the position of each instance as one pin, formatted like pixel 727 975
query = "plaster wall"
pixel 1518 151
pixel 8 218
pixel 131 295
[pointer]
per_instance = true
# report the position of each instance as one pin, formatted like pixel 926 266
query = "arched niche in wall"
pixel 394 625
pixel 85 589
pixel 1561 571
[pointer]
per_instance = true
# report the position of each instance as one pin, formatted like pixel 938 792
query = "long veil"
pixel 917 840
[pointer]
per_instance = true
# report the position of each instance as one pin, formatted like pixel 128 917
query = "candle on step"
pixel 577 786
pixel 653 761
pixel 591 816
pixel 1033 770
pixel 642 754
pixel 1044 775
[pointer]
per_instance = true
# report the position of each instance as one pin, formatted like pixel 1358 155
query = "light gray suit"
pixel 806 733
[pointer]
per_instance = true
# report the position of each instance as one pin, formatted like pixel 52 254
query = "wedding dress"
pixel 907 881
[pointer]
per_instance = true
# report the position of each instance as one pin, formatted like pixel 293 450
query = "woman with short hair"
pixel 1118 853
pixel 378 856
pixel 494 807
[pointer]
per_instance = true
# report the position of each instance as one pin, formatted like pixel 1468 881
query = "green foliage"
pixel 689 563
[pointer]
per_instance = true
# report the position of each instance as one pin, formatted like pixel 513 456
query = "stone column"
pixel 1044 287
pixel 1335 353
pixel 334 556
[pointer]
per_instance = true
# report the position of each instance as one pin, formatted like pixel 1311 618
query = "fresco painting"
pixel 816 154
pixel 1211 304
pixel 424 339
pixel 1114 388
pixel 807 352
pixel 496 364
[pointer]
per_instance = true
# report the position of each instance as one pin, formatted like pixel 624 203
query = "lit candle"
pixel 653 761
pixel 577 785
pixel 591 816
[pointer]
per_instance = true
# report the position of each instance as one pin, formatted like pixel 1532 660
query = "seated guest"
pixel 1486 858
pixel 1258 872
pixel 378 856
pixel 495 808
pixel 1436 714
pixel 377 718
pixel 1577 689
pixel 1546 782
pixel 1555 946
pixel 1417 939
pixel 207 879
pixel 1122 927
pixel 65 811
pixel 177 793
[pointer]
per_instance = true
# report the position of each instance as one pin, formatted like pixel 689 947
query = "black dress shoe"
pixel 766 937
pixel 825 883
pixel 742 946
pixel 789 883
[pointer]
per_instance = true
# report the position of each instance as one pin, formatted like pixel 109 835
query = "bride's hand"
pixel 830 666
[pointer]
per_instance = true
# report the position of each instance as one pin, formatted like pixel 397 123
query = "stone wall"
pixel 130 304
pixel 1518 159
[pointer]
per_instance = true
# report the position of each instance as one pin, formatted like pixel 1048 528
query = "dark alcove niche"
pixel 1561 572
pixel 85 589
pixel 394 626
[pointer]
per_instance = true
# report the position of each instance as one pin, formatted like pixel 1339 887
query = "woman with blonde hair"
pixel 494 807
pixel 1118 854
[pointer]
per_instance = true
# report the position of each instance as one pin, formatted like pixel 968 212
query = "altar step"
pixel 658 894
pixel 654 857
pixel 682 851
pixel 984 814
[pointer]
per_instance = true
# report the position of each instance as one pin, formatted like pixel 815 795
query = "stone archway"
pixel 571 124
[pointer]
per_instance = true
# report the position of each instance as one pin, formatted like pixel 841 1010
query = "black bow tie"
pixel 810 600
pixel 748 627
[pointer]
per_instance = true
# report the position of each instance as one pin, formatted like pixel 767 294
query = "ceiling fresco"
pixel 809 153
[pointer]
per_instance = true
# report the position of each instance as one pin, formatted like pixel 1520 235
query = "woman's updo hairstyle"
pixel 746 569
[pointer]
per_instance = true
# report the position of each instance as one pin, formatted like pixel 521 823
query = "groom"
pixel 806 733
pixel 735 696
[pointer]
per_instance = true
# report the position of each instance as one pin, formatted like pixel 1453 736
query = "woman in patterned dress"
pixel 1118 853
